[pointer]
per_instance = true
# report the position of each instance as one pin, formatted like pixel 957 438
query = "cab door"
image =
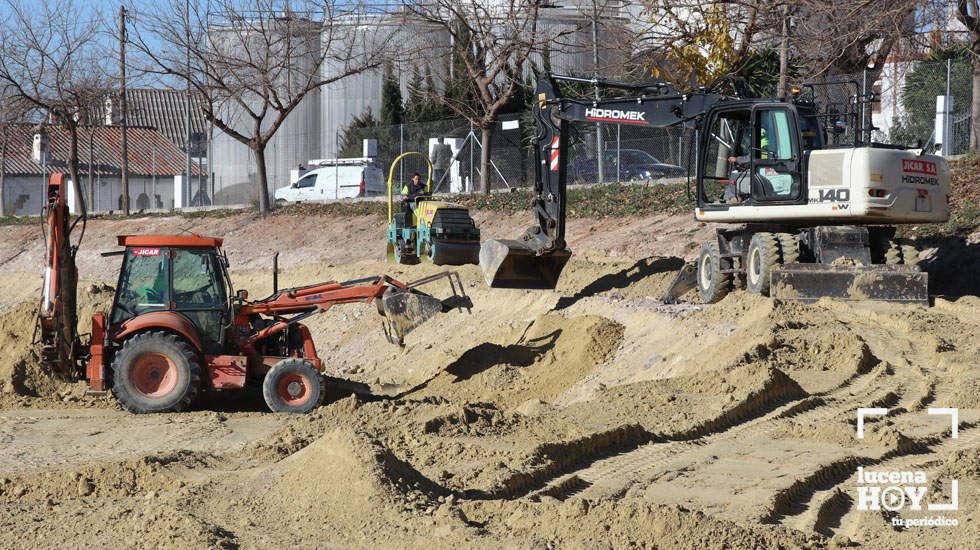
pixel 306 187
pixel 199 292
pixel 749 155
pixel 777 160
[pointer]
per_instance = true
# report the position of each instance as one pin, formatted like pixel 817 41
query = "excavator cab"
pixel 180 274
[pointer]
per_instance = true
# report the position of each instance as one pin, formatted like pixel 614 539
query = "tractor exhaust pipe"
pixel 275 273
pixel 514 264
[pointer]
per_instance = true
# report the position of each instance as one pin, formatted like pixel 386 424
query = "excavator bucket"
pixel 513 264
pixel 406 309
pixel 810 282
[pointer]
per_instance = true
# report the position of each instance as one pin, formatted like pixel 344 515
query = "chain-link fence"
pixel 926 104
pixel 903 104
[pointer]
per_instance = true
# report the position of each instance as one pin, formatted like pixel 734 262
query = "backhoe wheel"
pixel 713 285
pixel 762 256
pixel 155 372
pixel 893 253
pixel 293 386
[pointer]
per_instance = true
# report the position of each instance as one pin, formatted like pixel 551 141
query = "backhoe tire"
pixel 293 386
pixel 713 285
pixel 893 254
pixel 763 254
pixel 155 372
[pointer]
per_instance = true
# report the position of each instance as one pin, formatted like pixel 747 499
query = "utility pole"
pixel 783 54
pixel 123 142
pixel 595 77
pixel 186 184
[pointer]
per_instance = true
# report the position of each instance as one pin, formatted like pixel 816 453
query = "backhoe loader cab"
pixel 180 274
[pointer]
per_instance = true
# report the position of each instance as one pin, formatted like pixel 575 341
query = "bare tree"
pixel 968 12
pixel 51 59
pixel 492 44
pixel 252 63
pixel 845 37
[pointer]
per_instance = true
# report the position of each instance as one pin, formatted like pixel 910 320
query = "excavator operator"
pixel 739 188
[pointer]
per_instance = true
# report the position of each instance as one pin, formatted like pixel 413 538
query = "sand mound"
pixel 536 362
pixel 592 276
pixel 376 487
pixel 580 523
pixel 20 370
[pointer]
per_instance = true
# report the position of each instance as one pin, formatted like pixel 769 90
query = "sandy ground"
pixel 589 416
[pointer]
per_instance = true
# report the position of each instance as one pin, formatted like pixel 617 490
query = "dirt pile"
pixel 591 415
pixel 538 361
pixel 21 373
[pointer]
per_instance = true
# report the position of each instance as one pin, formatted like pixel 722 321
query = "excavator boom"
pixel 537 258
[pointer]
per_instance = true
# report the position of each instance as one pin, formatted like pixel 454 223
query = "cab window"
pixel 726 155
pixel 143 283
pixel 776 157
pixel 199 293
pixel 197 281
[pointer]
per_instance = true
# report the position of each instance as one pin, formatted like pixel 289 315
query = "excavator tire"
pixel 901 252
pixel 910 254
pixel 763 254
pixel 155 372
pixel 293 386
pixel 789 247
pixel 713 285
pixel 893 254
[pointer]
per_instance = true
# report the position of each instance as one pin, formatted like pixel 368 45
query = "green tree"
pixel 362 126
pixel 761 71
pixel 392 108
pixel 922 85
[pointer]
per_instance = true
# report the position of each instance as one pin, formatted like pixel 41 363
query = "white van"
pixel 333 179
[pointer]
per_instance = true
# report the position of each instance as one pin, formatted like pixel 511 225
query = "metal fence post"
pixel 947 128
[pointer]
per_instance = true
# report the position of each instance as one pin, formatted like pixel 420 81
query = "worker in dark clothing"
pixel 410 191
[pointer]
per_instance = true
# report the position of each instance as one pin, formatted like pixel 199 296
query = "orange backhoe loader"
pixel 177 326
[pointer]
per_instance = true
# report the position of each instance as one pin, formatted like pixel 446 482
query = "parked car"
pixel 334 179
pixel 634 164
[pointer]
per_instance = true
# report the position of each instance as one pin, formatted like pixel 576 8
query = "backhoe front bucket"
pixel 810 282
pixel 407 309
pixel 513 264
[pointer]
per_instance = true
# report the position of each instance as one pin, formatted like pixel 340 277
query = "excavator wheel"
pixel 713 285
pixel 293 386
pixel 155 372
pixel 789 247
pixel 901 252
pixel 763 254
pixel 910 254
